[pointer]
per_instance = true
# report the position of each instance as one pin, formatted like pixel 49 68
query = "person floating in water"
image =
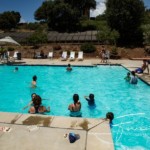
pixel 143 67
pixel 37 107
pixel 69 68
pixel 134 79
pixel 16 69
pixel 75 107
pixel 33 83
pixel 90 99
pixel 128 77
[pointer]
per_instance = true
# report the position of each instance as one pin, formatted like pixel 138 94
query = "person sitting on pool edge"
pixel 134 79
pixel 33 83
pixel 37 107
pixel 69 68
pixel 128 77
pixel 90 99
pixel 75 107
pixel 143 68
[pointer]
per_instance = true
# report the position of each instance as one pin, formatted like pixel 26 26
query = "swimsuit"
pixel 75 114
pixel 36 109
pixel 139 70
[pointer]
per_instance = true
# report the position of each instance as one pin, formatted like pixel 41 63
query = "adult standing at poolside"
pixel 75 107
pixel 102 54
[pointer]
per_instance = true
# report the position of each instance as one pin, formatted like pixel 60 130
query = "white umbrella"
pixel 8 40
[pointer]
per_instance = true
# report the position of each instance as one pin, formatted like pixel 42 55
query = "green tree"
pixel 37 37
pixel 64 15
pixel 146 34
pixel 44 11
pixel 9 20
pixel 83 6
pixel 106 35
pixel 125 16
pixel 59 16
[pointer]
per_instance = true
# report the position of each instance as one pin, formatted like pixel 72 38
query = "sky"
pixel 26 8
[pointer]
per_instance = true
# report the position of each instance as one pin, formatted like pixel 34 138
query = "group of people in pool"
pixel 75 108
pixel 133 79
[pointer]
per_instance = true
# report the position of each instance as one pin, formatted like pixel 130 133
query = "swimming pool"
pixel 130 104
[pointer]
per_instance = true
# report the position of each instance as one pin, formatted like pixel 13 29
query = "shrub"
pixel 10 49
pixel 114 51
pixel 88 48
pixel 56 47
pixel 147 50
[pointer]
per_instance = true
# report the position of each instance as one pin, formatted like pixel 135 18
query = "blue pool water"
pixel 129 103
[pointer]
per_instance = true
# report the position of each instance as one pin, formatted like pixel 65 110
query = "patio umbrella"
pixel 8 41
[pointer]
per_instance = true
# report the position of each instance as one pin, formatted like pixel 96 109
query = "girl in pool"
pixel 37 107
pixel 31 102
pixel 33 83
pixel 75 107
pixel 90 99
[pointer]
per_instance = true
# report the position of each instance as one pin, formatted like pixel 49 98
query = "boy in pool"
pixel 16 69
pixel 69 68
pixel 128 77
pixel 90 99
pixel 33 83
pixel 134 79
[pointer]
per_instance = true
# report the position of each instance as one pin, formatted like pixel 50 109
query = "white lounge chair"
pixel 80 55
pixel 72 56
pixel 64 55
pixel 50 55
pixel 38 55
pixel 15 55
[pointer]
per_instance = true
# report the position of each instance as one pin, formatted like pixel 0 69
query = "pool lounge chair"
pixel 64 56
pixel 38 55
pixel 80 55
pixel 15 55
pixel 72 56
pixel 50 55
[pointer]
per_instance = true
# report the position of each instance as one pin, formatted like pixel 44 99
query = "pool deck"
pixel 48 131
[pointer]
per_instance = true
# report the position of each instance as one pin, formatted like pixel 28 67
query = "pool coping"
pixel 94 133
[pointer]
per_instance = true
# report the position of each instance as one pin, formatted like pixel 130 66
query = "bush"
pixel 88 48
pixel 10 49
pixel 114 53
pixel 147 50
pixel 56 47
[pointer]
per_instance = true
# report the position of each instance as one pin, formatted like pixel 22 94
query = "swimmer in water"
pixel 33 83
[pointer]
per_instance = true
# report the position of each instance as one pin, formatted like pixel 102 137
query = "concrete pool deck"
pixel 95 134
pixel 49 133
